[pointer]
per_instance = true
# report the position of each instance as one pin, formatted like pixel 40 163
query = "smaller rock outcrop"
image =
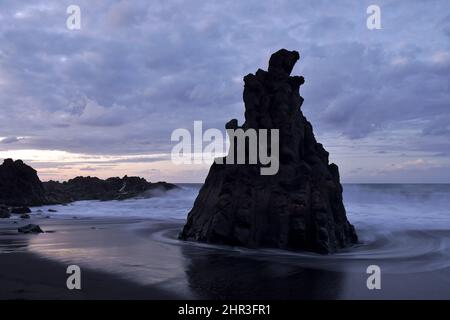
pixel 20 185
pixel 20 210
pixel 93 188
pixel 4 212
pixel 30 228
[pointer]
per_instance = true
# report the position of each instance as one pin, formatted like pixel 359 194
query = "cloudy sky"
pixel 104 100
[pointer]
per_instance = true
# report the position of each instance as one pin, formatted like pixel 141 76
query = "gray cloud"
pixel 8 140
pixel 88 169
pixel 138 70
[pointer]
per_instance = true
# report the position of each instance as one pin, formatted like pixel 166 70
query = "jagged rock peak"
pixel 283 61
pixel 298 208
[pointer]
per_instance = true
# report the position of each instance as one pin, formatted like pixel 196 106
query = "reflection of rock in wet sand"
pixel 220 275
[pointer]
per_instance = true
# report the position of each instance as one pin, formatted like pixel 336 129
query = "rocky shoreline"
pixel 20 188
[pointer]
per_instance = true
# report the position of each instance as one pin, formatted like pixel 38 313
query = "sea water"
pixel 402 228
pixel 380 206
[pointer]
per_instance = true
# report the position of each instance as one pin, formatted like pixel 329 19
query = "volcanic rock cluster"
pixel 21 187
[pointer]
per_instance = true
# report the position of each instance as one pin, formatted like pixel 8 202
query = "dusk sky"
pixel 104 100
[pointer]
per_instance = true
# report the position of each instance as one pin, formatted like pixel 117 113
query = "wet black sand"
pixel 142 259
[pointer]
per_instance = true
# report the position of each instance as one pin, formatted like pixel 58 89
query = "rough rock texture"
pixel 4 212
pixel 20 210
pixel 93 188
pixel 20 185
pixel 298 208
pixel 30 228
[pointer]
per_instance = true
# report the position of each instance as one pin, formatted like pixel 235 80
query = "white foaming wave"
pixel 396 252
pixel 173 204
pixel 398 207
pixel 405 228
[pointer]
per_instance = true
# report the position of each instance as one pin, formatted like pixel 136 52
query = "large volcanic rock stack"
pixel 300 207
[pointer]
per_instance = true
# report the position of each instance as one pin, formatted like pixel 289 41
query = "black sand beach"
pixel 26 274
pixel 142 259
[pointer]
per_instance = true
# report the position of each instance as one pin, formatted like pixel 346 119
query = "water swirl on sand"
pixel 402 228
pixel 401 251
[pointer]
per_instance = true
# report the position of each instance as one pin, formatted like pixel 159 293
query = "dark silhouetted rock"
pixel 25 216
pixel 298 208
pixel 52 210
pixel 20 210
pixel 20 184
pixel 93 188
pixel 4 212
pixel 4 215
pixel 30 228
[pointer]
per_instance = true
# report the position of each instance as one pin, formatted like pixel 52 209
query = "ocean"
pixel 390 206
pixel 404 229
